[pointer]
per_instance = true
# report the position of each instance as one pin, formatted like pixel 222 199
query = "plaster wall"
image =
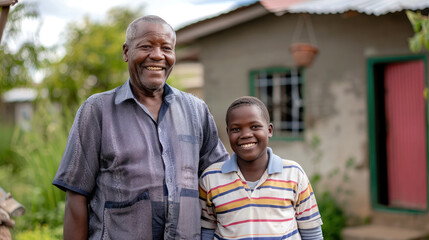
pixel 335 86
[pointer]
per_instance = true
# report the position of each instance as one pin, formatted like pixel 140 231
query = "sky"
pixel 55 14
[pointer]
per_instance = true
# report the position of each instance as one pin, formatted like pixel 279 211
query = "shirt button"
pixel 171 206
pixel 169 180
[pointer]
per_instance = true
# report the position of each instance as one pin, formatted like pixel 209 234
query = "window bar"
pixel 277 117
pixel 296 101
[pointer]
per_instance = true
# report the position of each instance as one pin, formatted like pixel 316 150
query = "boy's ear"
pixel 270 129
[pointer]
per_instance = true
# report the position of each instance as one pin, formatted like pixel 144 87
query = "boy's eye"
pixel 256 126
pixel 235 129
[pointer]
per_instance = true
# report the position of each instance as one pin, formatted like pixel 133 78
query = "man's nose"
pixel 157 53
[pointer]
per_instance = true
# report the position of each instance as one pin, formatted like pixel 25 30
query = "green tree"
pixel 93 58
pixel 420 25
pixel 17 66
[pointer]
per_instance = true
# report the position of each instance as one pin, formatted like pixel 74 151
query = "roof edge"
pixel 208 26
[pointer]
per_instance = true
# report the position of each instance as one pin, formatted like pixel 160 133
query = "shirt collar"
pixel 275 163
pixel 124 93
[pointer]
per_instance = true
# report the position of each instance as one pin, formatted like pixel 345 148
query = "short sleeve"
pixel 208 215
pixel 307 211
pixel 80 162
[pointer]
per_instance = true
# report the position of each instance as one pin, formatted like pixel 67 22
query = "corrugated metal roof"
pixel 375 7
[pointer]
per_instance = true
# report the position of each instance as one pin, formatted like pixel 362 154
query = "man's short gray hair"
pixel 132 28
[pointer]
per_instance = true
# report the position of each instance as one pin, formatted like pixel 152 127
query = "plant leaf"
pixel 416 42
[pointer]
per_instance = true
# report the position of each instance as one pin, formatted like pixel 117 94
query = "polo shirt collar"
pixel 275 163
pixel 124 93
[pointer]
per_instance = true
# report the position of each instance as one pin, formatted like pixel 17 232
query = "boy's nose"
pixel 247 134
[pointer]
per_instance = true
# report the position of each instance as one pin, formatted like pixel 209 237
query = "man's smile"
pixel 153 68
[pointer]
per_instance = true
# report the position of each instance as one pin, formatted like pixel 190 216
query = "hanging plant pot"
pixel 303 53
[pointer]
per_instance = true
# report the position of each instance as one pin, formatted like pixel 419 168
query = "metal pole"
pixel 3 19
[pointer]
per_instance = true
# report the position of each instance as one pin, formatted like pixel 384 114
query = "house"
pixel 364 96
pixel 16 106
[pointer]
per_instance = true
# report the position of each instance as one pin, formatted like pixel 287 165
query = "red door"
pixel 406 135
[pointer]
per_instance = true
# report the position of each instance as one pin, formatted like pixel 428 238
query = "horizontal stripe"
pixel 277 188
pixel 308 217
pixel 253 205
pixel 211 172
pixel 308 209
pixel 256 201
pixel 255 236
pixel 292 166
pixel 258 220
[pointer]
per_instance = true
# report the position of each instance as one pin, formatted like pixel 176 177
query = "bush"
pixel 334 219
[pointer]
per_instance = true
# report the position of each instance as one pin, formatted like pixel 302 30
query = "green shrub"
pixel 334 219
pixel 40 232
pixel 41 149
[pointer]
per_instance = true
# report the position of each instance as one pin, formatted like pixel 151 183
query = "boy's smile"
pixel 248 133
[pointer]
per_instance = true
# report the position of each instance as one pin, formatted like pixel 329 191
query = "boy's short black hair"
pixel 248 101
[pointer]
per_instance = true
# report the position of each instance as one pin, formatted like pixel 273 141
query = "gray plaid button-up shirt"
pixel 140 176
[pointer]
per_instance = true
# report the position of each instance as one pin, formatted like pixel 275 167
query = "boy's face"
pixel 248 133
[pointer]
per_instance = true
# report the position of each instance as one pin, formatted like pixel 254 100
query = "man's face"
pixel 150 56
pixel 248 133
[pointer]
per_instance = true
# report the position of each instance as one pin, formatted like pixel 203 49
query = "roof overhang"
pixel 205 27
pixel 208 26
pixel 369 7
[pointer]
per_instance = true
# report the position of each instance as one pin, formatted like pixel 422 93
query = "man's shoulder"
pixel 186 97
pixel 101 97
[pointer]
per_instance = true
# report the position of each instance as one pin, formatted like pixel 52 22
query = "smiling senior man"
pixel 134 154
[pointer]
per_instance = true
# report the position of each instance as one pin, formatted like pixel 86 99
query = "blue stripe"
pixel 211 172
pixel 305 199
pixel 294 167
pixel 254 205
pixel 279 188
pixel 226 192
pixel 308 217
pixel 261 238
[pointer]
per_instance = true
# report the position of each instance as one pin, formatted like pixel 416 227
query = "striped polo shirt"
pixel 281 203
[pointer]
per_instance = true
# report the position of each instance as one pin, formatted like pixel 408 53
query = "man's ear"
pixel 270 129
pixel 125 52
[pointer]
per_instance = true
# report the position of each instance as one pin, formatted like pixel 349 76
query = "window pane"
pixel 281 91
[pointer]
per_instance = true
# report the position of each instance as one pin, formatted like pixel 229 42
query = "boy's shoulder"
pixel 291 165
pixel 215 167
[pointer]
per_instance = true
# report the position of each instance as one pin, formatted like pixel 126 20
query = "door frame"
pixel 374 154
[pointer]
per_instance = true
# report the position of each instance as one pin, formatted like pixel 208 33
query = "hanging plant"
pixel 302 52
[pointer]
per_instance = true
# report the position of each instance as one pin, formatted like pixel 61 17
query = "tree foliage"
pixel 93 58
pixel 420 25
pixel 17 66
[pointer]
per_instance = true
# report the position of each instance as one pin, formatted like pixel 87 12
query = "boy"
pixel 256 194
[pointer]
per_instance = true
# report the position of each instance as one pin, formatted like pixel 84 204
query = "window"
pixel 281 91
